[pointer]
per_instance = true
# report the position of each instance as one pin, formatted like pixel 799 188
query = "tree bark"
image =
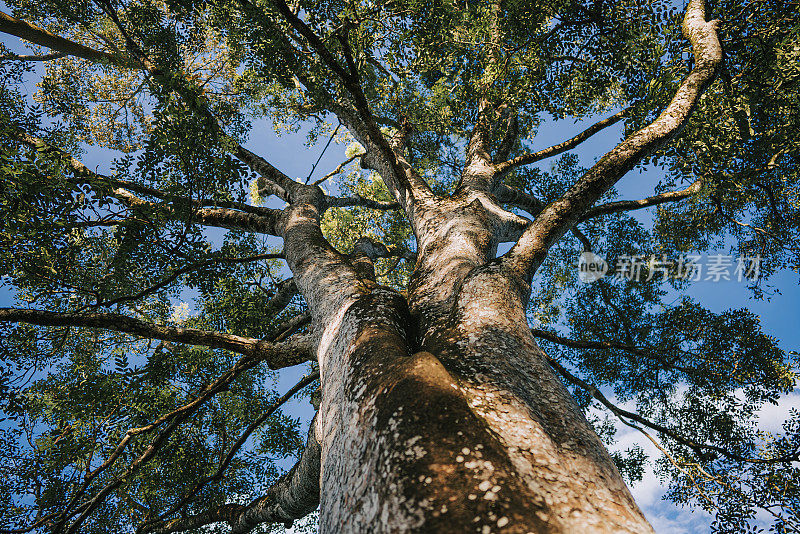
pixel 439 412
pixel 472 433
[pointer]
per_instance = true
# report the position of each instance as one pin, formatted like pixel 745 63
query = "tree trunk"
pixel 446 417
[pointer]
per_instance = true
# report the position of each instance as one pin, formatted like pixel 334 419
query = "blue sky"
pixel 779 313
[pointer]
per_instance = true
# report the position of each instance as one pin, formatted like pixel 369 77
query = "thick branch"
pixel 655 200
pixel 42 37
pixel 273 181
pixel 192 336
pixel 479 172
pixel 534 206
pixel 526 256
pixel 285 291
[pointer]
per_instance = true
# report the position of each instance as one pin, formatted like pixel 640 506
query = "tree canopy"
pixel 122 412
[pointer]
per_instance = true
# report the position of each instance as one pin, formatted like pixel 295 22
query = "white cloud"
pixel 771 417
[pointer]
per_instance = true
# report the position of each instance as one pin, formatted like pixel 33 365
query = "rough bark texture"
pixel 444 416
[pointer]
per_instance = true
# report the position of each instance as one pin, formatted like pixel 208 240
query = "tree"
pixel 438 409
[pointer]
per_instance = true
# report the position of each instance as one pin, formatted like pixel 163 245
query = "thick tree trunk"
pixel 446 417
pixel 472 434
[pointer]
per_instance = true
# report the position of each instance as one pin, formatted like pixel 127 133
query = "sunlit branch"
pixel 42 37
pixel 338 169
pixel 271 181
pixel 530 251
pixel 268 223
pixel 479 173
pixel 159 525
pixel 569 144
pixel 655 200
pixel 670 458
pixel 359 201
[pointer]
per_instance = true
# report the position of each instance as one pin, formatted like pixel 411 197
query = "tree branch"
pixel 509 138
pixel 229 513
pixel 231 215
pixel 40 57
pixel 646 353
pixel 42 37
pixel 531 249
pixel 621 413
pixel 338 169
pixel 403 182
pixel 174 419
pixel 569 144
pixel 189 268
pixel 262 350
pixel 479 172
pixel 285 291
pixel 293 496
pixel 281 183
pixel 273 181
pixel 359 201
pixel 534 206
pixel 655 200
